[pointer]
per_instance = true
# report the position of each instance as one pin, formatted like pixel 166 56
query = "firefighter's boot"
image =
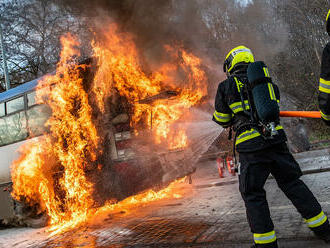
pixel 321 231
pixel 323 234
pixel 271 245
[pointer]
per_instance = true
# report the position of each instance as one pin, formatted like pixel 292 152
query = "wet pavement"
pixel 210 214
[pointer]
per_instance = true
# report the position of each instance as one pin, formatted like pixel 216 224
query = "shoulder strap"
pixel 241 88
pixel 239 84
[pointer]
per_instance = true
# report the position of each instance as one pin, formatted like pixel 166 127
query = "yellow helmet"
pixel 238 55
pixel 328 22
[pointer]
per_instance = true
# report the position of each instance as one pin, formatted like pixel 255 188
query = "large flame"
pixel 57 161
pixel 52 170
pixel 119 68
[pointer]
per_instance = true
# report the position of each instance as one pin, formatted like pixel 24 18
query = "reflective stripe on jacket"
pixel 250 134
pixel 324 84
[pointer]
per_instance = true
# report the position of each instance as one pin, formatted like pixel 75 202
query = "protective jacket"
pixel 232 108
pixel 324 85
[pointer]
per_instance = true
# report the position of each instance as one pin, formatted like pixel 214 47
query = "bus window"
pixel 2 109
pixel 13 128
pixel 15 105
pixel 31 98
pixel 37 117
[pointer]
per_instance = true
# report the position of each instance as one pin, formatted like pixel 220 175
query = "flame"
pixel 73 141
pixel 52 169
pixel 179 140
pixel 133 202
pixel 143 198
pixel 119 67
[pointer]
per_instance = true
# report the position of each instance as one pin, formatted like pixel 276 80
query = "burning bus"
pixel 95 133
pixel 23 119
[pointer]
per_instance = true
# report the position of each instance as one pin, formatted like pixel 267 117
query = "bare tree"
pixel 32 30
pixel 298 65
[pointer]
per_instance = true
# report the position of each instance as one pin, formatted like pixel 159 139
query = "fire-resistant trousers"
pixel 255 168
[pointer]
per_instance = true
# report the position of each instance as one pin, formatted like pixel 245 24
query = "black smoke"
pixel 154 24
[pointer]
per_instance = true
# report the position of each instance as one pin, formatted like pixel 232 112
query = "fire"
pixel 52 170
pixel 179 140
pixel 59 184
pixel 143 198
pixel 120 68
pixel 129 203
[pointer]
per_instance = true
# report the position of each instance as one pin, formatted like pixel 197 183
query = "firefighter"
pixel 259 156
pixel 324 84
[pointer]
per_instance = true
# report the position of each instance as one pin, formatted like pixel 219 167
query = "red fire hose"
pixel 306 114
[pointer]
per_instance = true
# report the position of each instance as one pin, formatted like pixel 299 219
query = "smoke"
pixel 209 28
pixel 153 23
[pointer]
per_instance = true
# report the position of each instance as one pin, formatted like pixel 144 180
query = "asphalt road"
pixel 210 214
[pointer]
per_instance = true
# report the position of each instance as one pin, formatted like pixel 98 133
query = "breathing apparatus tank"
pixel 264 98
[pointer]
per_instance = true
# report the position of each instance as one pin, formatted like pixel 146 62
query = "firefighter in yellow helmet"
pixel 261 150
pixel 324 84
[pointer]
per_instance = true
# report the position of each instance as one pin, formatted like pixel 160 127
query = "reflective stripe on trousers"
pixel 316 221
pixel 264 238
